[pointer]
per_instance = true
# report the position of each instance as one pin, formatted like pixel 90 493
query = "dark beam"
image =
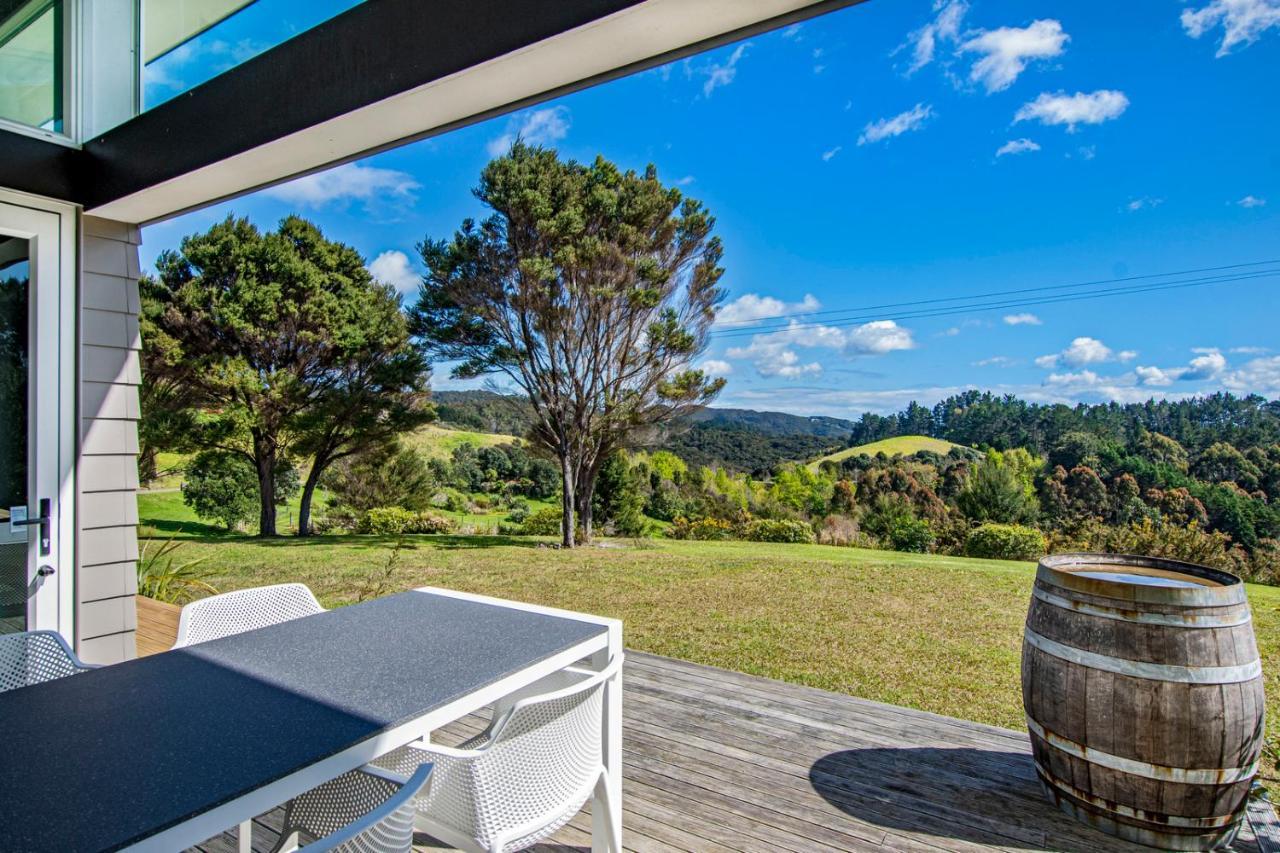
pixel 373 51
pixel 35 166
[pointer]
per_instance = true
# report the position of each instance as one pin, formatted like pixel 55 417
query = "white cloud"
pixel 1084 377
pixel 831 152
pixel 535 127
pixel 1154 376
pixel 774 353
pixel 1208 364
pixel 752 308
pixel 877 338
pixel 685 181
pixel 1146 202
pixel 818 69
pixel 1017 146
pixel 346 183
pixel 1071 110
pixel 1249 350
pixel 716 367
pixel 1252 201
pixel 393 267
pixel 1024 319
pixel 995 361
pixel 1007 50
pixel 792 32
pixel 1242 21
pixel 945 27
pixel 722 73
pixel 886 128
pixel 1259 376
pixel 1087 152
pixel 1083 350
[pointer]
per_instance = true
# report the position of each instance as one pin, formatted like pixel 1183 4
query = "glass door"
pixel 31 399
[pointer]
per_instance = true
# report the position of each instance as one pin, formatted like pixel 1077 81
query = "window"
pixel 31 68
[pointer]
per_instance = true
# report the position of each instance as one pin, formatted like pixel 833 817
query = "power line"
pixel 1015 303
pixel 793 314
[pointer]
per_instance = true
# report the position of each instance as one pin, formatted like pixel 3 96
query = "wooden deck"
pixel 716 760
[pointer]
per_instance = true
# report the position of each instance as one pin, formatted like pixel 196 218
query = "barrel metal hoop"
pixel 1141 669
pixel 1215 822
pixel 1135 616
pixel 1158 772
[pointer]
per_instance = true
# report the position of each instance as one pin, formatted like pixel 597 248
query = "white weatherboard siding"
pixel 107 506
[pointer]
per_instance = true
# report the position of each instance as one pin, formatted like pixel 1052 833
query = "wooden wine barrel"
pixel 1142 687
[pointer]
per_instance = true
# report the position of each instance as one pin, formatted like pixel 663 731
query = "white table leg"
pixel 244 837
pixel 606 812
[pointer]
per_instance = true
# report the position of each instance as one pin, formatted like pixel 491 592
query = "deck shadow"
pixel 980 796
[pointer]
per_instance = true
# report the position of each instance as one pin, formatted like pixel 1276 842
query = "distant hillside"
pixel 900 445
pixel 739 439
pixel 436 442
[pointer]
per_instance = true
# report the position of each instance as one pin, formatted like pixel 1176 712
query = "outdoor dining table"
pixel 164 752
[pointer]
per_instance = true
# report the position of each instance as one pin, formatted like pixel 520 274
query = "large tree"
pixel 287 345
pixel 592 290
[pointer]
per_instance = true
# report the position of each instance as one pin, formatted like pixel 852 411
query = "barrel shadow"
pixel 980 796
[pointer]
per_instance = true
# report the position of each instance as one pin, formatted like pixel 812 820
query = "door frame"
pixel 55 465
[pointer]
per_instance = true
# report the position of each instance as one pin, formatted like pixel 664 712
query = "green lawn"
pixel 901 445
pixel 938 633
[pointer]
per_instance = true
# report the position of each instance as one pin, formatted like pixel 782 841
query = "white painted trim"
pixel 634 35
pixel 231 814
pixel 55 467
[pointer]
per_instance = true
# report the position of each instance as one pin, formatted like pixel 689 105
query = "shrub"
pixel 911 534
pixel 544 522
pixel 710 529
pixel 1005 542
pixel 429 522
pixel 387 475
pixel 221 486
pixel 163 577
pixel 387 521
pixel 843 531
pixel 778 530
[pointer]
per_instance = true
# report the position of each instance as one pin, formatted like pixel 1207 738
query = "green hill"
pixel 899 445
pixel 436 442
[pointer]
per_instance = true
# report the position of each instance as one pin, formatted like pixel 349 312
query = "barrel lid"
pixel 1062 570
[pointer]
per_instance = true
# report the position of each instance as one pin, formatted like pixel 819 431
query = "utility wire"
pixel 794 314
pixel 1015 303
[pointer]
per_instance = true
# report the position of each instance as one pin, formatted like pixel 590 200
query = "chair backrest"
pixel 243 610
pixel 387 828
pixel 543 759
pixel 31 657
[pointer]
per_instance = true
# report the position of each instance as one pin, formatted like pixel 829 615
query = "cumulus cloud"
pixel 716 367
pixel 1243 21
pixel 774 353
pixel 752 308
pixel 1007 50
pixel 346 183
pixel 1084 350
pixel 1251 201
pixel 393 267
pixel 1024 319
pixel 1259 376
pixel 905 122
pixel 536 127
pixel 719 74
pixel 1072 110
pixel 828 154
pixel 944 27
pixel 1017 146
pixel 1208 364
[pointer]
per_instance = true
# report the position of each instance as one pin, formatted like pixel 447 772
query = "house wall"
pixel 107 478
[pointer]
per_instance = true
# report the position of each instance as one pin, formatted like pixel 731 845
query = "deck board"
pixel 719 761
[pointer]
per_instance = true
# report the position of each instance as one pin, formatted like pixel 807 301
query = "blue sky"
pixel 905 150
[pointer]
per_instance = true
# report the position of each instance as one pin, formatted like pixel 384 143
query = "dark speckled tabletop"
pixel 104 759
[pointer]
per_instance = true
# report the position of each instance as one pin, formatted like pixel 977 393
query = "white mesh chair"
pixel 365 811
pixel 243 610
pixel 31 657
pixel 525 776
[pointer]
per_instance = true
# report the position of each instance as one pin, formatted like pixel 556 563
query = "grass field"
pixel 938 633
pixel 900 445
pixel 436 442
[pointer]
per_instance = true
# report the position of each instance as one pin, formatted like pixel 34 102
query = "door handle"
pixel 42 520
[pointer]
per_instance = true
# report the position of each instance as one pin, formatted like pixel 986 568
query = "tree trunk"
pixel 265 460
pixel 147 472
pixel 566 501
pixel 308 490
